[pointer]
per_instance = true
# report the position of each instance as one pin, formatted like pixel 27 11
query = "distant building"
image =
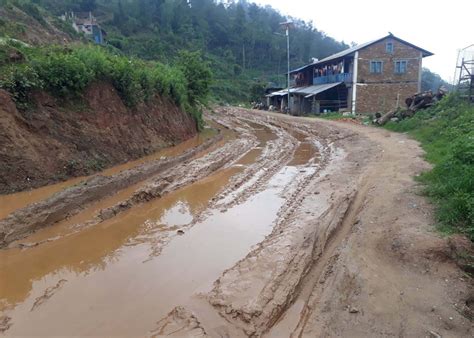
pixel 87 24
pixel 373 77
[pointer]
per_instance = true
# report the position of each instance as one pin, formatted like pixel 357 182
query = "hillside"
pixel 71 110
pixel 239 39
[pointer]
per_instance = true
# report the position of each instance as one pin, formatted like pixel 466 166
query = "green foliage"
pixel 66 72
pixel 257 91
pixel 63 74
pixel 238 37
pixel 20 81
pixel 446 132
pixel 432 81
pixel 198 75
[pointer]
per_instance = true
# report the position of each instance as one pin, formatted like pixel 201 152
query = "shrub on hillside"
pixel 63 74
pixel 198 75
pixel 20 80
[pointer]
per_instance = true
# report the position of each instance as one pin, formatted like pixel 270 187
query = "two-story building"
pixel 372 77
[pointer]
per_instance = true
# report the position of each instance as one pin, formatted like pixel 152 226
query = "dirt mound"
pixel 51 142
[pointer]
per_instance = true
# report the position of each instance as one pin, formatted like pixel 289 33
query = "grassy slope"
pixel 446 132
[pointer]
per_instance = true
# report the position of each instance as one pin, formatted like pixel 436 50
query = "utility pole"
pixel 287 26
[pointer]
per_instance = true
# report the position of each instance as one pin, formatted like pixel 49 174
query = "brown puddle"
pixel 305 151
pixel 12 202
pixel 92 247
pixel 39 261
pixel 197 140
pixel 264 135
pixel 107 289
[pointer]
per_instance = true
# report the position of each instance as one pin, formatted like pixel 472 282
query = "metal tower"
pixel 465 72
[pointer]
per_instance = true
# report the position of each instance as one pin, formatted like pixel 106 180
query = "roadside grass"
pixel 446 133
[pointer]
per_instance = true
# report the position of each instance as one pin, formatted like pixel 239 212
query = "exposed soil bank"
pixel 51 142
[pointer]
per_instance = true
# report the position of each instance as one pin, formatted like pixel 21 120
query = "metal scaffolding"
pixel 465 73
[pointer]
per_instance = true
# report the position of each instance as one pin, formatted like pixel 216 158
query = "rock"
pixel 180 232
pixel 107 213
pixel 433 334
pixel 394 119
pixel 353 310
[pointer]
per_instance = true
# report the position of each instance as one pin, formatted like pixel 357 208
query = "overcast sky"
pixel 442 27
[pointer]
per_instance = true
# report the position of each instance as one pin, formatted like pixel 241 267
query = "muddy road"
pixel 267 225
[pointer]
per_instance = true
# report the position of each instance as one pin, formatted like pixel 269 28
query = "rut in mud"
pixel 242 234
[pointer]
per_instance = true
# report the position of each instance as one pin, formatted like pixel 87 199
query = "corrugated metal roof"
pixel 282 92
pixel 359 47
pixel 316 89
pixel 306 91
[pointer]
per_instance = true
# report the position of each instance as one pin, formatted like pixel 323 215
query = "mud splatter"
pixel 48 293
pixel 179 323
pixel 5 323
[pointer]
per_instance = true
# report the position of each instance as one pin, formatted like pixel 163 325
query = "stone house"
pixel 373 77
pixel 86 24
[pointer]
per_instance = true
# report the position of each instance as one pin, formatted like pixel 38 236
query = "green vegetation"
pixel 446 132
pixel 65 72
pixel 432 81
pixel 238 37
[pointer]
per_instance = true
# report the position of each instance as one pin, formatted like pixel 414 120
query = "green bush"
pixel 446 132
pixel 66 72
pixel 20 81
pixel 198 75
pixel 126 79
pixel 63 74
pixel 96 60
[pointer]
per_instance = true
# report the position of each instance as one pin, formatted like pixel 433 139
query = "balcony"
pixel 343 77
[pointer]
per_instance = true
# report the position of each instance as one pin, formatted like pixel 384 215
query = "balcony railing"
pixel 343 77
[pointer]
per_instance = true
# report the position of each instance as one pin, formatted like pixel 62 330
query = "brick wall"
pixel 374 98
pixel 378 92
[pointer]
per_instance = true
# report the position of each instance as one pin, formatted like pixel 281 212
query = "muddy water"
pixel 110 279
pixel 12 202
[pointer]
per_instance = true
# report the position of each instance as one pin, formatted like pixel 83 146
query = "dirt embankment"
pixel 50 143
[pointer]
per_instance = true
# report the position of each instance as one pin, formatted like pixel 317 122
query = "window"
pixel 401 67
pixel 376 67
pixel 389 47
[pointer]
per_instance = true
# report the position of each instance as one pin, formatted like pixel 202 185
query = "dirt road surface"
pixel 275 226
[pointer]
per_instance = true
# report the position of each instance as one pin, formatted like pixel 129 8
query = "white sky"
pixel 441 27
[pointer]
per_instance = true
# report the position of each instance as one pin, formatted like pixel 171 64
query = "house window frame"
pixel 373 70
pixel 389 43
pixel 398 71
